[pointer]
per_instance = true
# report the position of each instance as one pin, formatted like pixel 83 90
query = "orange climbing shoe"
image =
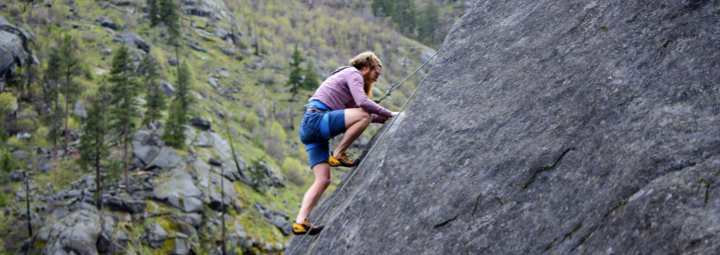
pixel 301 229
pixel 343 160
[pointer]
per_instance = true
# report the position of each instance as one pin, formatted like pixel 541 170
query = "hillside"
pixel 239 84
pixel 549 127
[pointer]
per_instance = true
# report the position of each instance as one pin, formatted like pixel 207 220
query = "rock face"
pixel 134 40
pixel 549 127
pixel 13 48
pixel 77 232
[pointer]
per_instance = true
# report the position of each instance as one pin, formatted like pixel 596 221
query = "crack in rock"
pixel 543 169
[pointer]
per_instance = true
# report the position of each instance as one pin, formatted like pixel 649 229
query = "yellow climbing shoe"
pixel 343 160
pixel 301 229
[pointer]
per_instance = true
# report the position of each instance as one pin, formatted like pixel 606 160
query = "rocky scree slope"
pixel 549 127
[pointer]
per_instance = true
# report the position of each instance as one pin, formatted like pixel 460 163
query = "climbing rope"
pixel 371 148
pixel 401 83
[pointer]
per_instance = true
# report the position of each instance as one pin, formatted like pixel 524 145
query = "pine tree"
pixel 404 16
pixel 310 81
pixel 170 17
pixel 92 143
pixel 173 134
pixel 155 99
pixel 383 8
pixel 123 92
pixel 428 23
pixel 154 12
pixel 295 80
pixel 70 67
pixel 52 91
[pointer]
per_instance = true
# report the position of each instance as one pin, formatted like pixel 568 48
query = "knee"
pixel 323 182
pixel 366 116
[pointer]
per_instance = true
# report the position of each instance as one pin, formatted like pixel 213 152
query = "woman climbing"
pixel 340 105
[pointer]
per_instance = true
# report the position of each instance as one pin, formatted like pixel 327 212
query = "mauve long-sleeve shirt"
pixel 344 89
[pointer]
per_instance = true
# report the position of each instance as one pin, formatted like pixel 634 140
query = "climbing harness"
pixel 371 148
pixel 401 83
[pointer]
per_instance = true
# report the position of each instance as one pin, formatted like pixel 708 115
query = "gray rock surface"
pixel 79 109
pixel 156 235
pixel 106 22
pixel 219 32
pixel 77 232
pixel 134 40
pixel 12 53
pixel 173 61
pixel 166 159
pixel 549 127
pixel 179 190
pixel 200 122
pixel 134 206
pixel 167 87
pixel 145 153
pixel 182 245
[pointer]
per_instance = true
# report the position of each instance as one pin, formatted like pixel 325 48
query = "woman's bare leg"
pixel 356 121
pixel 313 195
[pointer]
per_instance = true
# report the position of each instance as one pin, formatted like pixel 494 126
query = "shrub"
pixel 251 121
pixel 293 169
pixel 275 141
pixel 8 162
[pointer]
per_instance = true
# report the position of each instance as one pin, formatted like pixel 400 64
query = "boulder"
pixel 548 127
pixel 12 53
pixel 172 61
pixel 166 159
pixel 227 51
pixel 200 122
pixel 202 10
pixel 156 235
pixel 282 224
pixel 78 232
pixel 145 153
pixel 167 87
pixel 179 190
pixel 182 245
pixel 204 139
pixel 222 72
pixel 81 27
pixel 192 205
pixel 79 109
pixel 193 219
pixel 219 32
pixel 134 206
pixel 107 51
pixel 17 176
pixel 122 2
pixel 104 241
pixel 20 155
pixel 134 40
pixel 213 82
pixel 114 204
pixel 106 22
pixel 196 46
pixel 119 242
pixel 215 162
pixel 46 168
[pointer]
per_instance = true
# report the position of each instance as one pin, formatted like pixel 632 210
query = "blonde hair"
pixel 364 59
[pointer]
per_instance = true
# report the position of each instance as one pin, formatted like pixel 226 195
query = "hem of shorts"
pixel 324 161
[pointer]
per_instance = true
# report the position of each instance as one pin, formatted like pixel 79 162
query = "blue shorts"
pixel 317 146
